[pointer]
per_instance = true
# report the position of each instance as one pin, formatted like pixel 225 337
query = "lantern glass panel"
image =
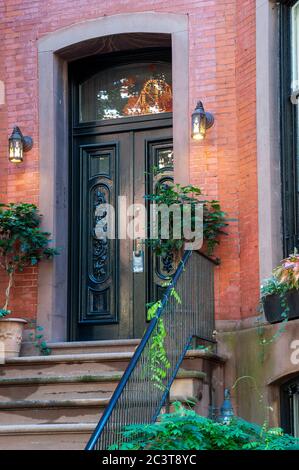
pixel 15 150
pixel 198 126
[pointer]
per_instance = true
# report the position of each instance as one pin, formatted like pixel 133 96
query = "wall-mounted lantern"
pixel 17 145
pixel 201 121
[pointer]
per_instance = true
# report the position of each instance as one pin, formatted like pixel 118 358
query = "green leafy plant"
pixel 285 278
pixel 186 197
pixel 39 342
pixel 22 242
pixel 158 362
pixel 273 286
pixel 186 430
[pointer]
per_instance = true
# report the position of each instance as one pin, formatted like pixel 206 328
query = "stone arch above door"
pixel 55 50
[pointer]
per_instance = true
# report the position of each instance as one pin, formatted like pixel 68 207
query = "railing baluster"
pixel 137 400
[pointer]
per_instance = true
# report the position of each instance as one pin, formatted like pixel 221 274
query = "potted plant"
pixel 280 293
pixel 22 244
pixel 187 197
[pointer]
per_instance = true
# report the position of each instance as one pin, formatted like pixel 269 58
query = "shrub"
pixel 22 242
pixel 186 430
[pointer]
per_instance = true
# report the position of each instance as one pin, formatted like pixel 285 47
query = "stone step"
pixel 45 436
pixel 59 386
pixel 66 364
pixel 87 410
pixel 187 386
pixel 83 386
pixel 66 390
pixel 83 364
pixel 54 402
pixel 83 347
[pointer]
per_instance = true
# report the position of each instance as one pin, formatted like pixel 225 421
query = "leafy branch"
pixel 187 198
pixel 22 242
pixel 158 360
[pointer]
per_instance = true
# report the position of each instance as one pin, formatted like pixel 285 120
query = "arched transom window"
pixel 133 89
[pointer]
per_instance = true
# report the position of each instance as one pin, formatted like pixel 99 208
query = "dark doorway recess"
pixel 120 131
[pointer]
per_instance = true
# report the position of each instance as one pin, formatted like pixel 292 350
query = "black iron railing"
pixel 137 399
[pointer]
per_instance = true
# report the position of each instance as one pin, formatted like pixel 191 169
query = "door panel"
pixel 148 285
pixel 98 283
pixel 107 299
pixel 96 261
pixel 160 157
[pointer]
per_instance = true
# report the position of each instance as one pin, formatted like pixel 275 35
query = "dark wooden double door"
pixel 111 280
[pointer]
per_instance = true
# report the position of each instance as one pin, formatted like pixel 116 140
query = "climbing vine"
pixel 158 360
pixel 39 342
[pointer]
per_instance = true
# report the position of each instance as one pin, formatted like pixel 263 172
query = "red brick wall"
pixel 222 73
pixel 246 131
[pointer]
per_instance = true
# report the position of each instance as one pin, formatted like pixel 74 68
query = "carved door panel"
pixel 109 284
pixel 158 148
pixel 101 278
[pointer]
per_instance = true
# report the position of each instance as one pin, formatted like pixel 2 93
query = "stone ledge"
pixel 103 377
pixel 45 428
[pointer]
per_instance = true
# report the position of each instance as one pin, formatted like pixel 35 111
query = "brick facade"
pixel 222 74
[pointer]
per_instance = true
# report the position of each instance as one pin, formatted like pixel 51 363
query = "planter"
pixel 11 333
pixel 273 309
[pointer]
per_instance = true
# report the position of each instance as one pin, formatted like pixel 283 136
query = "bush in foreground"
pixel 186 430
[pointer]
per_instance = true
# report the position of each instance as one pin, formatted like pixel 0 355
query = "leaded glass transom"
pixel 124 91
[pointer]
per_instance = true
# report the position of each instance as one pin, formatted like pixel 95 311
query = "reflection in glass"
pixel 124 91
pixel 99 165
pixel 165 158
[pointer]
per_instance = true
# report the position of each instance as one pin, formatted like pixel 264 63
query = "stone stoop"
pixel 54 402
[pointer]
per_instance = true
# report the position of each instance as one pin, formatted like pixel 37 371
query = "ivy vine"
pixel 39 341
pixel 158 362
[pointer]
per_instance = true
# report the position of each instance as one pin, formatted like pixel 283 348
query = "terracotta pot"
pixel 11 333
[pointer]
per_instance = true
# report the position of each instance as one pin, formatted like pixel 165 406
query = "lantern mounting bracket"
pixel 210 120
pixel 209 116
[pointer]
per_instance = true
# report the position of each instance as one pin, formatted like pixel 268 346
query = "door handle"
pixel 294 97
pixel 138 256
